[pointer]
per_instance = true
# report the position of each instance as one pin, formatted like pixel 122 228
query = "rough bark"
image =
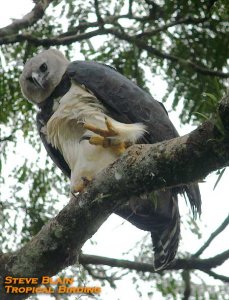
pixel 142 168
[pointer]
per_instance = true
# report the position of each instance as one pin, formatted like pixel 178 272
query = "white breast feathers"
pixel 65 130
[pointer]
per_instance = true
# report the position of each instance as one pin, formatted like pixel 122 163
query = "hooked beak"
pixel 37 80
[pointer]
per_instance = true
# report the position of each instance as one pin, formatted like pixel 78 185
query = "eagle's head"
pixel 42 74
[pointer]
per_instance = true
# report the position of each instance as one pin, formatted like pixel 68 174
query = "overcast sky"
pixel 116 236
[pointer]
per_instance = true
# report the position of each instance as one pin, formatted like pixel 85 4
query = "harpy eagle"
pixel 88 115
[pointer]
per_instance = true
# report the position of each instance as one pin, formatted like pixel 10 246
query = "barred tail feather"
pixel 161 218
pixel 194 197
pixel 166 240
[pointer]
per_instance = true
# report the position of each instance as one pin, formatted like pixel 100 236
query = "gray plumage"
pixel 54 84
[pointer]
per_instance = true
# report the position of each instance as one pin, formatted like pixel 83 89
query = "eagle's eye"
pixel 43 67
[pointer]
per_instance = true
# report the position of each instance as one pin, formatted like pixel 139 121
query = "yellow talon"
pixel 117 146
pixel 119 149
pixel 106 137
pixel 82 185
pixel 109 132
pixel 97 140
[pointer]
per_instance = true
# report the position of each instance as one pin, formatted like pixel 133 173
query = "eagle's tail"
pixel 166 237
pixel 157 213
pixel 194 197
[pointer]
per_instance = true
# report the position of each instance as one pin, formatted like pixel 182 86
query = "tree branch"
pixel 66 39
pixel 6 138
pixel 151 50
pixel 130 6
pixel 101 275
pixel 189 263
pixel 47 42
pixel 28 20
pixel 9 34
pixel 216 276
pixel 212 236
pixel 142 168
pixel 186 20
pixel 186 264
pixel 97 12
pixel 187 284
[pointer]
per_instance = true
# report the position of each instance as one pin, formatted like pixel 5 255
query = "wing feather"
pixel 54 153
pixel 124 100
pixel 127 103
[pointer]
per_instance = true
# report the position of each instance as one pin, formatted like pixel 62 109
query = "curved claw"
pixel 106 137
pixel 109 132
pixel 84 137
pixel 116 145
pixel 82 185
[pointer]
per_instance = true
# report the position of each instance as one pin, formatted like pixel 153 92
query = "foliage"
pixel 136 36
